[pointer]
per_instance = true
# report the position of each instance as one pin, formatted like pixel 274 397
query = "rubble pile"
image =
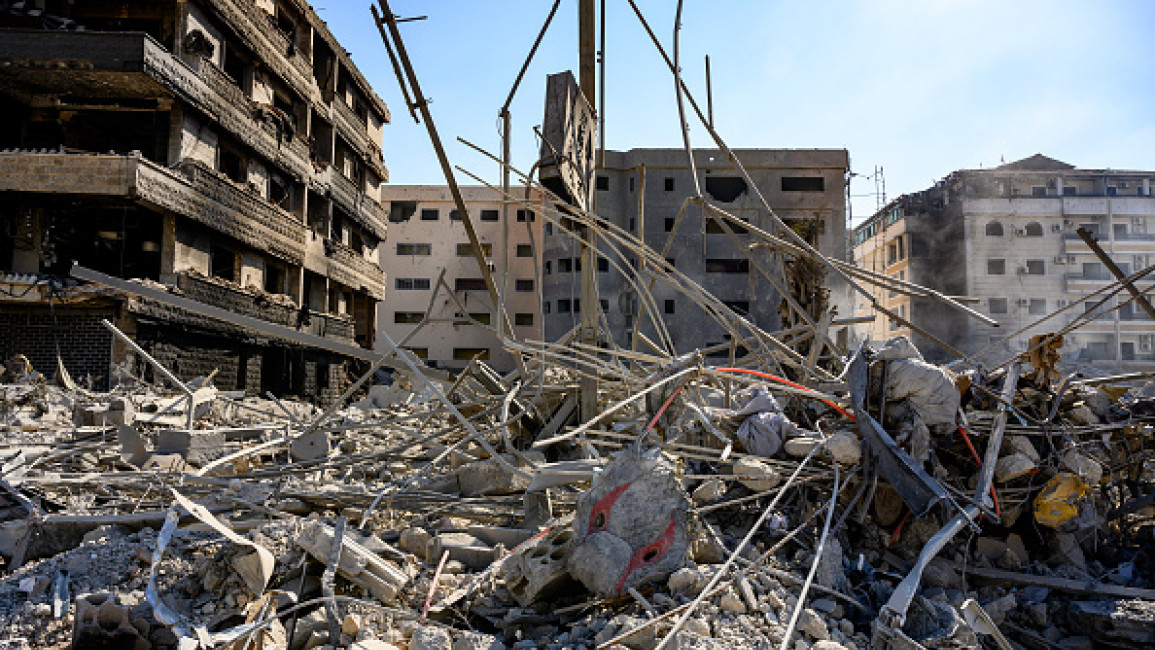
pixel 906 505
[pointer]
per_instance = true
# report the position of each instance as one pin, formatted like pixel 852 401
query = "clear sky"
pixel 918 87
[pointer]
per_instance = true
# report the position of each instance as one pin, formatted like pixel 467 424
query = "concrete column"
pixel 1059 186
pixel 168 250
pixel 1146 187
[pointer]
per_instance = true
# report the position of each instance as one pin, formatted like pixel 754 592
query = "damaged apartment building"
pixel 644 190
pixel 228 149
pixel 1007 239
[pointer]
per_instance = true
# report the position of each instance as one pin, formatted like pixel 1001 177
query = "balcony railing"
pixel 352 269
pixel 366 211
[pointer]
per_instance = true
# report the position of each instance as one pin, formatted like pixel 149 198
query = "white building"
pixel 427 238
pixel 1007 238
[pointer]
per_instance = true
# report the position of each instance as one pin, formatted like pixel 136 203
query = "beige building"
pixel 227 148
pixel 1006 238
pixel 431 266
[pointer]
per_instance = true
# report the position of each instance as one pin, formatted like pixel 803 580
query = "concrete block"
pixel 102 622
pixel 311 447
pixel 539 570
pixel 197 447
pixel 430 638
pixel 631 526
pixel 755 474
pixel 489 477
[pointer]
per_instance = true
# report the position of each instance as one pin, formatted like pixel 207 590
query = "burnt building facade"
pixel 229 150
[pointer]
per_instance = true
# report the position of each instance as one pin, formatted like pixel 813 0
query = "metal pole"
pixel 589 294
pixel 164 372
pixel 709 94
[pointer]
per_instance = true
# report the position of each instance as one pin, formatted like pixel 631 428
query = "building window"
pixel 1112 190
pixel 469 284
pixel 631 183
pixel 1038 306
pixel 1038 190
pixel 524 250
pixel 564 265
pixel 603 265
pixel 669 306
pixel 523 319
pixel 528 215
pixel 994 229
pixel 547 306
pixel 420 353
pixel 1070 190
pixel 996 267
pixel 577 264
pixel 633 223
pixel 803 184
pixel 563 306
pixel 423 250
pixel 997 305
pixel 482 317
pixel 406 317
pixel 1033 229
pixel 469 354
pixel 604 304
pixel 489 215
pixel 726 189
pixel 466 250
pixel 429 214
pixel 523 285
pixel 669 224
pixel 603 183
pixel 1036 267
pixel 411 284
pixel 454 215
pixel 548 267
pixel 669 184
pixel 670 261
pixel 549 229
pixel 727 266
pixel 577 305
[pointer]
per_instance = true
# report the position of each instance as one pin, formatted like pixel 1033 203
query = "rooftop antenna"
pixel 879 188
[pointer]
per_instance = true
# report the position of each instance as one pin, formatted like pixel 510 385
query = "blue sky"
pixel 920 88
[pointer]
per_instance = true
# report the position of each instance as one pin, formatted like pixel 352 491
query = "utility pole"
pixel 587 80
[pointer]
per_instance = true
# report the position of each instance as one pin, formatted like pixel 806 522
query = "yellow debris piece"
pixel 1058 503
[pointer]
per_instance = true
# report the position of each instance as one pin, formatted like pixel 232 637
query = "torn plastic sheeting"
pixel 930 389
pixel 918 490
pixel 765 427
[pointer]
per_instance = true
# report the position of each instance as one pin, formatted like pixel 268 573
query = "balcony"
pixel 350 268
pixel 1123 244
pixel 354 130
pixel 364 210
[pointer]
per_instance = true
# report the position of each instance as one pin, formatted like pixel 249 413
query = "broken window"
pixel 411 284
pixel 420 353
pixel 997 305
pixel 523 319
pixel 407 317
pixel 742 307
pixel 482 317
pixel 454 215
pixel 548 267
pixel 469 354
pixel 631 183
pixel 1034 229
pixel 523 285
pixel 670 261
pixel 223 263
pixel 564 265
pixel 726 188
pixel 994 229
pixel 713 227
pixel 668 306
pixel 469 284
pixel 489 215
pixel 524 250
pixel 604 304
pixel 1070 190
pixel 466 250
pixel 669 224
pixel 603 183
pixel 546 307
pixel 549 229
pixel 803 184
pixel 402 211
pixel 233 165
pixel 1036 267
pixel 1038 191
pixel 430 214
pixel 577 305
pixel 996 267
pixel 727 266
pixel 563 306
pixel 603 265
pixel 423 250
pixel 528 215
pixel 669 184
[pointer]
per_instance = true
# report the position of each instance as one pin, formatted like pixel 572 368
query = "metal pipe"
pixel 164 372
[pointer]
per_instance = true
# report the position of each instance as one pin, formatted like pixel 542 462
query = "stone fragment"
pixel 539 569
pixel 477 641
pixel 755 474
pixel 811 624
pixel 1082 415
pixel 351 625
pixel 997 609
pixel 686 581
pixel 430 637
pixel 198 447
pixel 490 477
pixel 416 541
pixel 731 603
pixel 709 491
pixel 1021 445
pixel 826 644
pixel 372 644
pixel 800 446
pixel 1084 467
pixel 1013 466
pixel 313 446
pixel 845 448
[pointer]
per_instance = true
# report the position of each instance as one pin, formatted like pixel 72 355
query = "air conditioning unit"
pixel 1023 302
pixel 492 267
pixel 1060 303
pixel 1145 346
pixel 1021 232
pixel 1136 221
pixel 1067 222
pixel 1022 270
pixel 1070 259
pixel 1056 227
pixel 1060 259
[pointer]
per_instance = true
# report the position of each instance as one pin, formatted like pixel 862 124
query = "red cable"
pixel 764 375
pixel 967 439
pixel 665 405
pixel 898 530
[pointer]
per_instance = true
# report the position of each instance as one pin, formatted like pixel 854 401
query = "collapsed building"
pixel 229 150
pixel 1009 240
